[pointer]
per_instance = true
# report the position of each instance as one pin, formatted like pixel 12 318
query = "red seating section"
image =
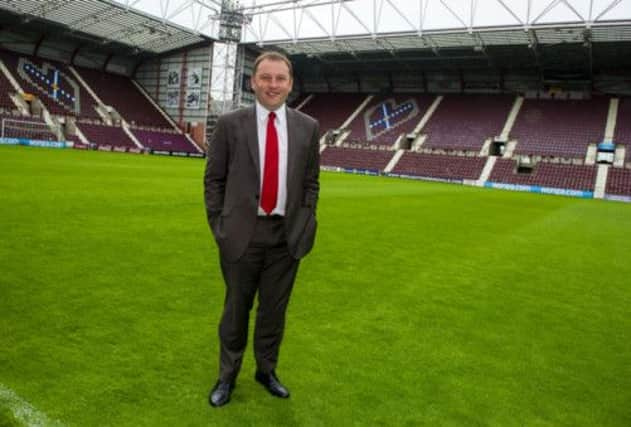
pixel 562 128
pixel 386 117
pixel 120 93
pixel 622 134
pixel 440 166
pixel 5 90
pixel 40 83
pixel 356 158
pixel 165 141
pixel 63 94
pixel 464 122
pixel 101 134
pixel 619 182
pixel 332 109
pixel 553 175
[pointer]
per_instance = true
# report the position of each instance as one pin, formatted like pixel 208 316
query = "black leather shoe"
pixel 220 394
pixel 272 384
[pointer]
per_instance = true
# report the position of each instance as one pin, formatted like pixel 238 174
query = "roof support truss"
pixel 368 17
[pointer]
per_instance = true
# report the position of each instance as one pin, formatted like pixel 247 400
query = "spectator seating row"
pixel 64 95
pixel 164 141
pixel 5 90
pixel 356 158
pixel 562 128
pixel 112 89
pixel 464 122
pixel 551 128
pixel 332 109
pixel 102 134
pixel 567 176
pixel 52 82
pixel 386 117
pixel 619 182
pixel 622 134
pixel 440 166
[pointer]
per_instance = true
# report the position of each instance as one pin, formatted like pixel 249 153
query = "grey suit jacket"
pixel 232 182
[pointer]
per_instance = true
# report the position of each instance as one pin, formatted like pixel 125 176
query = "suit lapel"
pixel 253 139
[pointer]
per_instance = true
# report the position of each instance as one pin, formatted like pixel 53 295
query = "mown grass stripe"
pixel 16 411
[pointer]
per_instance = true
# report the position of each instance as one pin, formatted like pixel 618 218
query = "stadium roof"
pixel 115 26
pixel 555 39
pixel 320 27
pixel 339 31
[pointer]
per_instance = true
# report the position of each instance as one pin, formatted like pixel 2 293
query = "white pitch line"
pixel 24 411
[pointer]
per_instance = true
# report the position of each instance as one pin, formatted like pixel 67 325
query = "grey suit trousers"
pixel 267 268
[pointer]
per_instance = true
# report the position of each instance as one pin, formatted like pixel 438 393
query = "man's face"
pixel 271 83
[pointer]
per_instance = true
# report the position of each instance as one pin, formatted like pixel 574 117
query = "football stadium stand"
pixel 5 90
pixel 464 122
pixel 102 134
pixel 440 166
pixel 356 158
pixel 561 128
pixel 566 176
pixel 619 182
pixel 52 83
pixel 332 109
pixel 163 140
pixel 62 94
pixel 120 93
pixel 622 135
pixel 387 116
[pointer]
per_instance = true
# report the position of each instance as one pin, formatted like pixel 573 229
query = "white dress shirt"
pixel 280 122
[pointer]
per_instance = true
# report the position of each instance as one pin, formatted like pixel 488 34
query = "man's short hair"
pixel 273 56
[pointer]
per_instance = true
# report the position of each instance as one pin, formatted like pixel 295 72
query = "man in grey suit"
pixel 261 191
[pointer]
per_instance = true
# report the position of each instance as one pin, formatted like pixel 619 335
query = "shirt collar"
pixel 262 112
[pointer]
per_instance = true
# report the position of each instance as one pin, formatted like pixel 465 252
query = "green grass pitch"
pixel 422 303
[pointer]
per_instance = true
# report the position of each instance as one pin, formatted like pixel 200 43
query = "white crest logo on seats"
pixel 52 83
pixel 388 115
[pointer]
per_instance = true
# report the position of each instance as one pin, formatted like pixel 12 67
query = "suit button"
pixel 256 196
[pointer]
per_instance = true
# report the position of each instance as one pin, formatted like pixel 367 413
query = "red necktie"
pixel 269 192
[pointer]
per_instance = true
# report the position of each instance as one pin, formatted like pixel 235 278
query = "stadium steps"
pixel 590 156
pixel 486 171
pixel 612 118
pixel 486 147
pixel 21 104
pixel 512 116
pixel 53 125
pixel 131 135
pixel 601 181
pixel 5 71
pixel 349 119
pixel 100 111
pixel 428 115
pixel 393 162
pixel 418 143
pixel 355 113
pixel 340 139
pixel 510 149
pixel 156 106
pixel 80 135
pixel 619 156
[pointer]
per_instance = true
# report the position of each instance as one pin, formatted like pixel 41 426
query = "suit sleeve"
pixel 312 177
pixel 216 172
